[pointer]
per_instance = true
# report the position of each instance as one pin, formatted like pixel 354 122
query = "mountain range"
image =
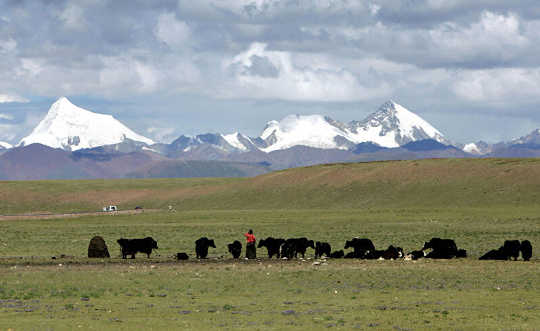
pixel 72 142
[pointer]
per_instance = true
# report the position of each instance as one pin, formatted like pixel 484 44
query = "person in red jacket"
pixel 251 249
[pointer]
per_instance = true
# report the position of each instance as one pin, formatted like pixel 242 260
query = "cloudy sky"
pixel 165 68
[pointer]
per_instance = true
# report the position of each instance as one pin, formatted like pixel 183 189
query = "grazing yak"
pixel 272 245
pixel 350 255
pixel 337 254
pixel 133 246
pixel 526 250
pixel 235 249
pixel 511 247
pixel 441 248
pixel 182 256
pixel 322 248
pixel 288 249
pixel 294 246
pixel 361 246
pixel 201 247
pixel 302 245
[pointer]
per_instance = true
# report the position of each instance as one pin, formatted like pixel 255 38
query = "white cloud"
pixel 128 74
pixel 493 35
pixel 73 17
pixel 493 39
pixel 303 77
pixel 495 86
pixel 171 31
pixel 8 132
pixel 30 66
pixel 271 8
pixel 5 98
pixel 7 45
pixel 374 9
pixel 6 117
pixel 164 135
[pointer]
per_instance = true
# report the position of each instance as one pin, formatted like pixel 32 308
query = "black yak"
pixel 322 248
pixel 337 254
pixel 273 246
pixel 441 248
pixel 235 249
pixel 526 250
pixel 361 247
pixel 201 247
pixel 133 246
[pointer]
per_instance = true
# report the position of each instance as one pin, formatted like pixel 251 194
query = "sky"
pixel 166 68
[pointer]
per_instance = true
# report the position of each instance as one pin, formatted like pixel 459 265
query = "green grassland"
pixel 393 184
pixel 479 203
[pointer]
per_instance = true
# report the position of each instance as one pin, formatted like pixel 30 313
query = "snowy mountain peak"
pixel 307 130
pixel 392 125
pixel 5 145
pixel 70 127
pixel 238 141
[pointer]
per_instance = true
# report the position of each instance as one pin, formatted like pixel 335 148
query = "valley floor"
pixel 161 293
pixel 387 295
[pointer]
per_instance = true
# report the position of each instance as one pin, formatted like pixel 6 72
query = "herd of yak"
pixel 362 248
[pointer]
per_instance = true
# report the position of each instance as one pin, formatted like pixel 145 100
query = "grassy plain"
pixel 479 203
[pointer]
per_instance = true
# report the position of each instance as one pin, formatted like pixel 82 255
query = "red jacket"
pixel 250 238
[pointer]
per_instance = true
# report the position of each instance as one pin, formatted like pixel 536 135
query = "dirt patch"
pixel 46 215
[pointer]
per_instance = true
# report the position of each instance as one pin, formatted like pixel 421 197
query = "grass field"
pixel 479 203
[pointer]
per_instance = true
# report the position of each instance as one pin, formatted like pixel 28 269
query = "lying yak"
pixel 443 249
pixel 322 248
pixel 273 246
pixel 182 256
pixel 133 246
pixel 415 255
pixel 337 254
pixel 235 249
pixel 201 247
pixel 510 250
pixel 495 254
pixel 391 253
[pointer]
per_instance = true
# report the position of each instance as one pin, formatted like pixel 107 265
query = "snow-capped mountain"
pixel 532 138
pixel 512 148
pixel 70 127
pixel 5 145
pixel 310 130
pixel 390 126
pixel 477 148
pixel 234 142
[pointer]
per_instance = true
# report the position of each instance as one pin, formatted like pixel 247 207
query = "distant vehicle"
pixel 110 208
pixel 138 207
